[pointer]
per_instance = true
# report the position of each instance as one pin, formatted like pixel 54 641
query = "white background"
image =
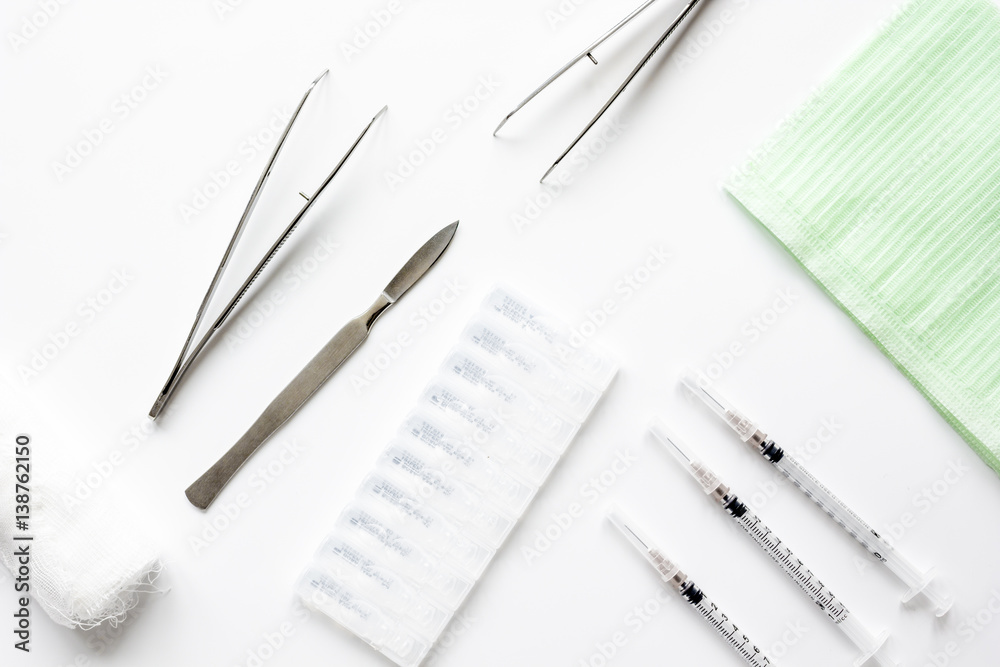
pixel 687 124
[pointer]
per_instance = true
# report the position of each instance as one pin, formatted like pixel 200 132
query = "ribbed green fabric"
pixel 885 185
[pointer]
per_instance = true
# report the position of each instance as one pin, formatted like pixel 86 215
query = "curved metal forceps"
pixel 587 53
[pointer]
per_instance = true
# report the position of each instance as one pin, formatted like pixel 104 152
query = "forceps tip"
pixel 320 77
pixel 551 169
pixel 502 123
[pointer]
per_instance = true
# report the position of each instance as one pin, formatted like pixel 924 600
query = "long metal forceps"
pixel 184 359
pixel 587 53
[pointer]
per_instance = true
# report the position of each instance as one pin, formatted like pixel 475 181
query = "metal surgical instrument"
pixel 587 53
pixel 320 369
pixel 184 360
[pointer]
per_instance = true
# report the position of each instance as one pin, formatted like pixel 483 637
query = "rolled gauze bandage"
pixel 85 564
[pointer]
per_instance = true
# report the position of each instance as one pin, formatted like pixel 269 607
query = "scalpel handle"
pixel 207 487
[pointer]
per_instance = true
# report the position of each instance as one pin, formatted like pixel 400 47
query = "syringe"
pixel 871 646
pixel 687 589
pixel 877 546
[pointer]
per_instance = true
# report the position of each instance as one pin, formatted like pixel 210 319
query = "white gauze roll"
pixel 87 564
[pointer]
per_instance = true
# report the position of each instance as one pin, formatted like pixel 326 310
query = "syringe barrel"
pixel 729 631
pixel 917 581
pixel 832 505
pixel 877 546
pixel 790 564
pixel 869 645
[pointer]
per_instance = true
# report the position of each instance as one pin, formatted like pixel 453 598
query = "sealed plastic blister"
pixel 447 491
pixel 423 525
pixel 322 592
pixel 455 499
pixel 511 403
pixel 469 463
pixel 346 562
pixel 444 396
pixel 544 376
pixel 425 569
pixel 449 398
pixel 553 336
pixel 520 453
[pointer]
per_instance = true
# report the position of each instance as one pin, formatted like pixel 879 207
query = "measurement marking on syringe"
pixel 677 580
pixel 859 536
pixel 916 580
pixel 729 631
pixel 720 621
pixel 793 566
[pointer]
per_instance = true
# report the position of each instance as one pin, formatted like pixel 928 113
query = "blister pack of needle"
pixel 465 463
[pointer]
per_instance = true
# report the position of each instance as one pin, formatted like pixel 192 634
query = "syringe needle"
pixel 917 581
pixel 687 589
pixel 870 645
